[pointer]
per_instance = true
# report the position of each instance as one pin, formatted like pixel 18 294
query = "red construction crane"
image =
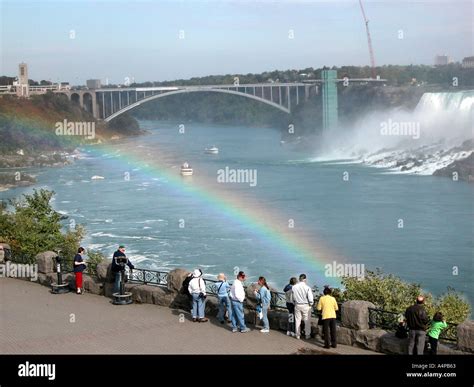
pixel 371 50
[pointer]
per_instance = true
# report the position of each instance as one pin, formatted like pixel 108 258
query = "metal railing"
pixel 160 278
pixel 384 319
pixel 148 277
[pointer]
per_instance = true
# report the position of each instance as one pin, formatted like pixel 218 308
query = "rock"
pixel 46 262
pixel 355 314
pixel 463 169
pixel 43 279
pixel 108 289
pixel 465 332
pixel 104 271
pixel 148 294
pixel 212 306
pixel 250 316
pixel 449 349
pixel 69 278
pixel 176 278
pixel 92 285
pixel 52 278
pixel 344 336
pixel 250 298
pixel 369 339
pixel 315 328
pixel 180 301
pixel 277 319
pixel 6 246
pixel 392 345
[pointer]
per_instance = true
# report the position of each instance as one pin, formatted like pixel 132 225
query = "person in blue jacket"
pixel 263 297
pixel 223 289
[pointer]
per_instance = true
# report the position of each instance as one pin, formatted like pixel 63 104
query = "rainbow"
pixel 266 224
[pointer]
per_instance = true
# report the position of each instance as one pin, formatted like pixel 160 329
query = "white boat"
pixel 213 150
pixel 97 177
pixel 186 170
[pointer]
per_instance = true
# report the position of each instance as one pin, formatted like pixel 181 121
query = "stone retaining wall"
pixel 353 330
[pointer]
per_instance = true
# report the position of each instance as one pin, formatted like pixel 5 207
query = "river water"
pixel 416 227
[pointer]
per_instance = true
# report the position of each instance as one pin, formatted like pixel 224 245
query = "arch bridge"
pixel 108 103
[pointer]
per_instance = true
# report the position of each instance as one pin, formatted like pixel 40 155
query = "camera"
pixel 202 295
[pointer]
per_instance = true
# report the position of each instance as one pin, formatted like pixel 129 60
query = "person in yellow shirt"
pixel 328 306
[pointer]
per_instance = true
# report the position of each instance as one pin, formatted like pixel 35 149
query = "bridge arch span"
pixel 166 94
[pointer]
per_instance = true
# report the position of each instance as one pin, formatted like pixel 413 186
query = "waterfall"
pixel 461 101
pixel 438 132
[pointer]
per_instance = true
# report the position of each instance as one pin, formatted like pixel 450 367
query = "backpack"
pixel 187 280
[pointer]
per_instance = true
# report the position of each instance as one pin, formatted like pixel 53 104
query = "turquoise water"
pixel 356 219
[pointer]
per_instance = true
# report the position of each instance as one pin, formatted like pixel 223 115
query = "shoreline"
pixel 11 164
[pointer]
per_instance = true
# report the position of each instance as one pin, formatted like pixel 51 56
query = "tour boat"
pixel 213 150
pixel 186 170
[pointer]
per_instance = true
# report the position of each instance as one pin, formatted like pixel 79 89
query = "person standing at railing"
pixel 290 305
pixel 223 288
pixel 237 297
pixel 79 267
pixel 328 306
pixel 437 325
pixel 118 267
pixel 197 289
pixel 417 320
pixel 264 296
pixel 304 300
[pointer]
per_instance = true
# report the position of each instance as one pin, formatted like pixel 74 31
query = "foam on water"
pixel 424 146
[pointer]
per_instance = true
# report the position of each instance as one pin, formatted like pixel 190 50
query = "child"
pixel 437 325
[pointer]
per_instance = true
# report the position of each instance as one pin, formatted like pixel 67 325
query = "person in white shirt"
pixel 303 300
pixel 197 289
pixel 237 297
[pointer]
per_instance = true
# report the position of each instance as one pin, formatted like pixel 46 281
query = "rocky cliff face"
pixel 15 179
pixel 462 169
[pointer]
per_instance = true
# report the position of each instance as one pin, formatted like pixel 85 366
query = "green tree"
pixel 93 259
pixel 392 294
pixel 33 226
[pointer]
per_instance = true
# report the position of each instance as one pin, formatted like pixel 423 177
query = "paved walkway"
pixel 34 321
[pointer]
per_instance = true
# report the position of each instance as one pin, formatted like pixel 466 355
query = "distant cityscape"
pixel 444 60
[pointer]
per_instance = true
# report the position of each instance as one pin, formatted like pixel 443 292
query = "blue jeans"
pixel 291 317
pixel 266 324
pixel 117 282
pixel 238 315
pixel 198 306
pixel 224 302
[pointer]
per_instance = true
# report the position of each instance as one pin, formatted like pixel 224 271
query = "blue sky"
pixel 140 39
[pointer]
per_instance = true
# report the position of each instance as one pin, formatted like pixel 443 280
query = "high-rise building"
pixel 330 114
pixel 442 60
pixel 468 62
pixel 93 83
